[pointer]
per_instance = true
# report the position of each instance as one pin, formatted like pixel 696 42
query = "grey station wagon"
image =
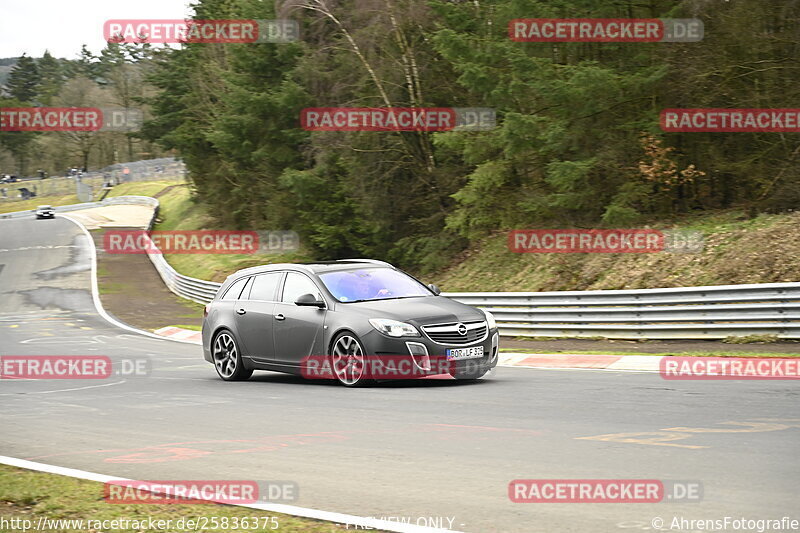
pixel 354 320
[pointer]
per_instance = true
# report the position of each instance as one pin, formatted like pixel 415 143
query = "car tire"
pixel 348 360
pixel 227 357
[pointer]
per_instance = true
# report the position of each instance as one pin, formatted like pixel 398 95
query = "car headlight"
pixel 490 319
pixel 394 328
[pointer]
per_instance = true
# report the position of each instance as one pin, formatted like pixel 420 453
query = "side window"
pixel 265 286
pixel 246 290
pixel 234 290
pixel 297 285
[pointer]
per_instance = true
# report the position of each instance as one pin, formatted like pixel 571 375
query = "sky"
pixel 62 26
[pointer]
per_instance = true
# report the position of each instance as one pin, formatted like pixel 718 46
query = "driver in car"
pixel 363 288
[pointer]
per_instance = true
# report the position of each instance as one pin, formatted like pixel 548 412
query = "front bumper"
pixel 429 357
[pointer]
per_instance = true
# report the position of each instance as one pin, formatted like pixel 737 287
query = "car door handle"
pixel 280 316
pixel 240 311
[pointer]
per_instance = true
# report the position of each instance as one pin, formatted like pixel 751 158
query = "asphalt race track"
pixel 430 448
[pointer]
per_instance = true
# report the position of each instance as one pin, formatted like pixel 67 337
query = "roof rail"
pixel 373 261
pixel 274 266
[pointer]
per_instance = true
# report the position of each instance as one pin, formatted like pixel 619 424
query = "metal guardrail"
pixel 194 289
pixel 713 312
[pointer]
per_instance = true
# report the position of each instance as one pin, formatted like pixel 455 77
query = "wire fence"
pixel 89 186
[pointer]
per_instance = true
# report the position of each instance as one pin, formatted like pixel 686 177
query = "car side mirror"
pixel 436 290
pixel 309 300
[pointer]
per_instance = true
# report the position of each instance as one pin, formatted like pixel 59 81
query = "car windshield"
pixel 372 284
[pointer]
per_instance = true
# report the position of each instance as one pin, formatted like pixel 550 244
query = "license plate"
pixel 473 352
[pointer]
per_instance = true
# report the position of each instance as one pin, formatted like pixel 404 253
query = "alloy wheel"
pixel 225 355
pixel 348 360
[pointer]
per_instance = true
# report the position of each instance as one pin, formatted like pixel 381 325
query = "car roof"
pixel 318 267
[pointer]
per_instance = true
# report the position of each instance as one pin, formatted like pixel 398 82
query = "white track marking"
pixel 61 340
pixel 582 369
pixel 96 293
pixel 63 390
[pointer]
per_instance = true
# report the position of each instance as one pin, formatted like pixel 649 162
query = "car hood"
pixel 420 311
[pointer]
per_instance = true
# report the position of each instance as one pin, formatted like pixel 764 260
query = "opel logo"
pixel 462 329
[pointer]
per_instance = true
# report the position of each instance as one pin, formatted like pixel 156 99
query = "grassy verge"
pixel 143 188
pixel 661 354
pixel 25 205
pixel 29 495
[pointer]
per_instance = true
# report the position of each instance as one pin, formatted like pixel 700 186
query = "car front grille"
pixel 449 334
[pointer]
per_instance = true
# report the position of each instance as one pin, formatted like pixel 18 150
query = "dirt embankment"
pixel 736 250
pixel 130 287
pixel 132 291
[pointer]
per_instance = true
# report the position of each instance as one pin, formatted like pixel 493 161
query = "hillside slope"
pixel 737 250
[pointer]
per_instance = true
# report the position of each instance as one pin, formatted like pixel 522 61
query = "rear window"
pixel 265 286
pixel 234 290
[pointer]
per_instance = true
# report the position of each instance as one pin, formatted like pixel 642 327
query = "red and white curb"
pixel 640 363
pixel 180 334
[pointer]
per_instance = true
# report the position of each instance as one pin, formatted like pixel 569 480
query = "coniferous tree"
pixel 52 77
pixel 24 80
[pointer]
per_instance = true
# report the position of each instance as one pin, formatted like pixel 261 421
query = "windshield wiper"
pixel 381 299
